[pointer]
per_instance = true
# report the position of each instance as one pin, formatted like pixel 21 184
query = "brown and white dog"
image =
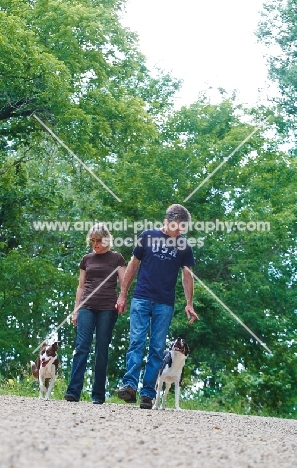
pixel 45 369
pixel 172 371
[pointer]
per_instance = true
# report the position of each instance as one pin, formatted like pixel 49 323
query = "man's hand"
pixel 125 283
pixel 191 314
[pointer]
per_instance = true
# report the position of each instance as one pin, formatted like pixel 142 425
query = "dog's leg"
pixel 177 394
pixel 50 387
pixel 42 387
pixel 42 390
pixel 51 383
pixel 157 400
pixel 167 388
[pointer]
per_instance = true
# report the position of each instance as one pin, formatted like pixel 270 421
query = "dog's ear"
pixel 55 345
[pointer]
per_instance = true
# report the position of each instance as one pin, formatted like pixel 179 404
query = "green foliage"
pixel 28 386
pixel 246 269
pixel 80 71
pixel 277 31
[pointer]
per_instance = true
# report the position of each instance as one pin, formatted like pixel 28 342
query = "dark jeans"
pixel 89 320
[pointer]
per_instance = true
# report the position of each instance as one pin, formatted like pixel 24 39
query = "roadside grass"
pixel 28 387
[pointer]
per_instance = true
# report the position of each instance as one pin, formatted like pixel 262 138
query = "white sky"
pixel 205 43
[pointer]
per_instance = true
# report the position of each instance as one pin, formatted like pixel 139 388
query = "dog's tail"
pixel 35 370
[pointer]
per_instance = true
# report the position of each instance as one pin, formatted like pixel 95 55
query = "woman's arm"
pixel 79 291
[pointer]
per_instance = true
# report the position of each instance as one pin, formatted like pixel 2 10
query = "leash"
pixel 75 156
pixel 79 306
pixel 230 312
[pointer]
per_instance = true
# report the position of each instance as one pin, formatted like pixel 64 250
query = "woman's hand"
pixel 121 304
pixel 74 317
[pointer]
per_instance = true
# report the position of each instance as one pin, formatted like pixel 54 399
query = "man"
pixel 159 254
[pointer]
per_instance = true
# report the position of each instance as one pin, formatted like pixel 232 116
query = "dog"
pixel 45 369
pixel 172 371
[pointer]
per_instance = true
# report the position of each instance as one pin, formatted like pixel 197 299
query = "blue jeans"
pixel 145 314
pixel 89 320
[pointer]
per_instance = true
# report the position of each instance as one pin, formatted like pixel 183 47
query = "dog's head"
pixel 47 353
pixel 181 346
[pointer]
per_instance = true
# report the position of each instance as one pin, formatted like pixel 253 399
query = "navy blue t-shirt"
pixel 161 258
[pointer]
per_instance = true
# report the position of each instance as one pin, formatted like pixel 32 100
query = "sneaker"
pixel 70 398
pixel 146 402
pixel 128 394
pixel 98 402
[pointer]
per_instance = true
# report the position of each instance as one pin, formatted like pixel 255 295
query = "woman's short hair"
pixel 99 231
pixel 179 213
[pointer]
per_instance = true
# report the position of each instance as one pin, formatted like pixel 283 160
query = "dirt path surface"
pixel 49 434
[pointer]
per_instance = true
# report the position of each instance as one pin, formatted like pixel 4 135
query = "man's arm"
pixel 121 274
pixel 188 285
pixel 130 274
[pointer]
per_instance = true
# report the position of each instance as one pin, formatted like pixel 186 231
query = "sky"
pixel 206 43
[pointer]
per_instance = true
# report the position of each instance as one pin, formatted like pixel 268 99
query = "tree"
pixel 252 270
pixel 83 75
pixel 277 31
pixel 80 71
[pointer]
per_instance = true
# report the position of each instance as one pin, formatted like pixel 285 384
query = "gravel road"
pixel 49 434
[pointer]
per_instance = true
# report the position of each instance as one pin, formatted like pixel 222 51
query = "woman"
pixel 95 309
